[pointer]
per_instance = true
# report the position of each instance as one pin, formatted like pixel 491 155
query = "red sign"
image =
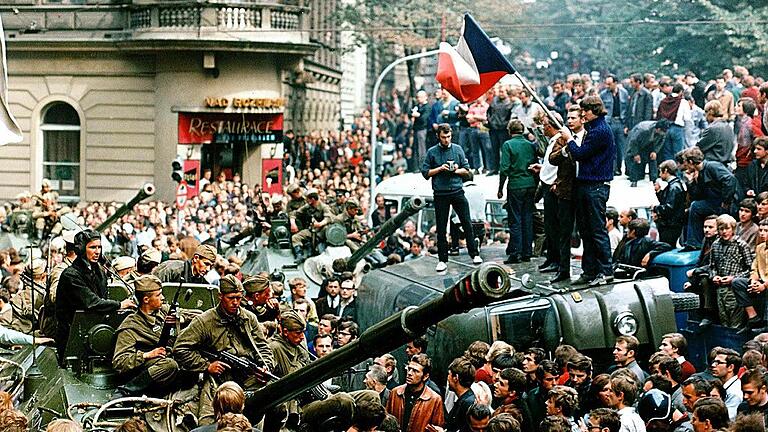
pixel 192 177
pixel 272 176
pixel 202 128
pixel 181 195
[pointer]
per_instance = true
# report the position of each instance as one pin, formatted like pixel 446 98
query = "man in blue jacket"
pixel 448 167
pixel 596 157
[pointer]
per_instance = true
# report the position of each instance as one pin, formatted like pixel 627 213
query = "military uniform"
pixel 294 203
pixel 174 270
pixel 305 217
pixel 140 333
pixel 215 330
pixel 351 223
pixel 264 312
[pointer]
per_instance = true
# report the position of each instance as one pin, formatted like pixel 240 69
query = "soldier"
pixel 339 206
pixel 45 215
pixel 228 327
pixel 296 201
pixel 313 217
pixel 137 350
pixel 25 314
pixel 355 228
pixel 124 265
pixel 291 354
pixel 193 271
pixel 258 293
pixel 83 286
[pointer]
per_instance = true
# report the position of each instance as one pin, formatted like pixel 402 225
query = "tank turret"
pixel 387 229
pixel 146 191
pixel 484 285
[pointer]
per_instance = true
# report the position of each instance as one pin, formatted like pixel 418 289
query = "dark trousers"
pixel 669 234
pixel 565 219
pixel 636 170
pixel 698 211
pixel 744 298
pixel 551 229
pixel 498 137
pixel 520 218
pixel 674 142
pixel 589 201
pixel 443 205
pixel 617 127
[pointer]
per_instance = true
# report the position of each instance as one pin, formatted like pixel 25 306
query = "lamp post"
pixel 375 112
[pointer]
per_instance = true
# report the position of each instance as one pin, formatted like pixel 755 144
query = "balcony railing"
pixel 226 17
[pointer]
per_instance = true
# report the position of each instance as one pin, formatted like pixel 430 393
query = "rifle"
pixel 241 366
pixel 170 323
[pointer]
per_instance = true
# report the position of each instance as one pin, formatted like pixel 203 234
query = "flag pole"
pixel 535 97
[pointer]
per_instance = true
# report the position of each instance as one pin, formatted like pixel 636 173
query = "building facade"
pixel 109 94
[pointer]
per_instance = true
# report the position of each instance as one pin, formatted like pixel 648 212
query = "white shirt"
pixel 614 236
pixel 630 420
pixel 578 138
pixel 733 395
pixel 683 113
pixel 548 173
pixel 476 201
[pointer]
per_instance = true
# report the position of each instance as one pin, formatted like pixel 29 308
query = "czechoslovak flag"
pixel 473 66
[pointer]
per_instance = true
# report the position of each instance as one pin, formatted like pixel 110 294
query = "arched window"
pixel 61 149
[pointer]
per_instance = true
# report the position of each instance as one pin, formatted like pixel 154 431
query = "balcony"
pixel 163 25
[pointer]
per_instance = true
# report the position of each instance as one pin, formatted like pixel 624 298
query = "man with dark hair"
pixel 725 366
pixel 547 375
pixel 675 109
pixel 416 346
pixel 640 103
pixel 671 370
pixel 624 354
pixel 644 144
pixel 604 420
pixel 698 277
pixel 669 215
pixel 712 189
pixel 509 396
pixel 329 302
pixel 756 180
pixel 478 417
pixel 414 404
pixel 711 413
pixel 531 359
pixel 596 157
pixel 639 249
pixel 717 141
pixel 368 416
pixel 675 346
pixel 616 101
pixel 579 370
pixel 448 167
pixel 745 135
pixel 693 389
pixel 755 391
pixel 461 375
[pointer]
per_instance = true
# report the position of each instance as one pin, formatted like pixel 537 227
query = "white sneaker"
pixel 441 267
pixel 477 260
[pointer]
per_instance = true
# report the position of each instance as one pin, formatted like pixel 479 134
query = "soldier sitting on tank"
pixel 296 200
pixel 25 313
pixel 192 271
pixel 356 229
pixel 639 249
pixel 138 353
pixel 46 217
pixel 341 198
pixel 228 327
pixel 290 350
pixel 259 299
pixel 312 217
pixel 83 286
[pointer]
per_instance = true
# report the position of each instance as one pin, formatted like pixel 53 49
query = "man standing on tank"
pixel 448 167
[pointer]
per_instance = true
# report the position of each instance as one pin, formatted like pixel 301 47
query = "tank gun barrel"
pixel 485 285
pixel 146 191
pixel 387 229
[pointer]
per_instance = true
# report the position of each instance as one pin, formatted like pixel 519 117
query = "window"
pixel 61 149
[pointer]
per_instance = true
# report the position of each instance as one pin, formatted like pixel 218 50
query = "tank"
pixel 485 285
pixel 277 255
pixel 146 191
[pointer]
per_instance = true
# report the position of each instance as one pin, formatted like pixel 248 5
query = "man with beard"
pixel 83 286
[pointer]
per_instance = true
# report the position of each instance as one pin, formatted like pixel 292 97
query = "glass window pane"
pixel 62 146
pixel 65 179
pixel 62 114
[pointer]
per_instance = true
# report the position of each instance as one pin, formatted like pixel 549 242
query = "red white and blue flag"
pixel 473 66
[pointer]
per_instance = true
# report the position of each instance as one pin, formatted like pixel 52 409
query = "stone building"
pixel 108 94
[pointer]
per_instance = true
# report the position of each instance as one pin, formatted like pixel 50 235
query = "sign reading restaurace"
pixel 204 128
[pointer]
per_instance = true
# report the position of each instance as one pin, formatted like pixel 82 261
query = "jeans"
pixel 520 219
pixel 479 141
pixel 465 142
pixel 617 127
pixel 498 137
pixel 443 204
pixel 565 219
pixel 589 200
pixel 674 142
pixel 420 145
pixel 551 224
pixel 698 211
pixel 636 170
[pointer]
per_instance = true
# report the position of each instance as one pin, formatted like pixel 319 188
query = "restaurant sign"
pixel 205 128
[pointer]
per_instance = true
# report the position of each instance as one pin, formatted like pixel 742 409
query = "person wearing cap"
pixel 296 200
pixel 192 271
pixel 339 205
pixel 148 260
pixel 124 265
pixel 258 294
pixel 312 217
pixel 138 353
pixel 83 287
pixel 45 215
pixel 48 318
pixel 227 327
pixel 25 313
pixel 291 354
pixel 354 226
pixel 644 143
